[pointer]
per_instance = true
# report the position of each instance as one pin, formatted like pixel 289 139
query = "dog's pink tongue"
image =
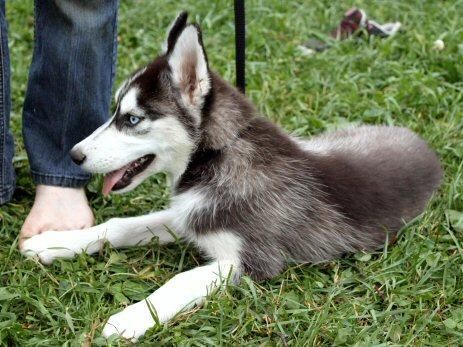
pixel 111 179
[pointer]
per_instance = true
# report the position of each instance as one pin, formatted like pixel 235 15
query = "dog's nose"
pixel 77 156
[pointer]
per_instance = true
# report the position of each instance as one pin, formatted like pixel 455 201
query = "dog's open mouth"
pixel 121 178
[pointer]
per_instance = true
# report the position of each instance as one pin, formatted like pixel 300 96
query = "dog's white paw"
pixel 47 246
pixel 131 323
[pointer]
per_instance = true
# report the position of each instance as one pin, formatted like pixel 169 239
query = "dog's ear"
pixel 189 67
pixel 175 29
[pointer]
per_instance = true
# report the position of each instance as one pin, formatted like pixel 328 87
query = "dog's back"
pixel 379 176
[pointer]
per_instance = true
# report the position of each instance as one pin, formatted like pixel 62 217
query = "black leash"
pixel 240 45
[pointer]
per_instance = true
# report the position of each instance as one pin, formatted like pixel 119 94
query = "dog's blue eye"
pixel 134 120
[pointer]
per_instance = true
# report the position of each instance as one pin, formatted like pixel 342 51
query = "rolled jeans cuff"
pixel 60 180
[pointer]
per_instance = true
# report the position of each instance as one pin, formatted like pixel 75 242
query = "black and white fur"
pixel 250 196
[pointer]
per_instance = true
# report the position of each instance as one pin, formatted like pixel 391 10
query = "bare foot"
pixel 57 208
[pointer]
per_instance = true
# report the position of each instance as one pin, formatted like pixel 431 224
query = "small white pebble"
pixel 439 45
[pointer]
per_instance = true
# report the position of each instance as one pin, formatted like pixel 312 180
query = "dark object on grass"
pixel 355 22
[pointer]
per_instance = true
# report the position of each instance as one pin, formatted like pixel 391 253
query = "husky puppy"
pixel 249 196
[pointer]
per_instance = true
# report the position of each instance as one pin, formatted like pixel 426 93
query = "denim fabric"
pixel 70 82
pixel 7 178
pixel 69 88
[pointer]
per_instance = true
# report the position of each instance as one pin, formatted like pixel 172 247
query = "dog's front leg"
pixel 181 292
pixel 119 232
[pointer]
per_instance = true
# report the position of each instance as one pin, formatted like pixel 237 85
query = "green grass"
pixel 408 294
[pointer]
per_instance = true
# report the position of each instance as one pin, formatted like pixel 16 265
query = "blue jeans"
pixel 69 89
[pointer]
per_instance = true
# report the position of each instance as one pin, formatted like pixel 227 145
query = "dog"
pixel 251 197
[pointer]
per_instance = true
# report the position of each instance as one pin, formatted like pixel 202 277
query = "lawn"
pixel 408 294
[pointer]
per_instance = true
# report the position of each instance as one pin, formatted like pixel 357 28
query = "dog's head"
pixel 157 118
